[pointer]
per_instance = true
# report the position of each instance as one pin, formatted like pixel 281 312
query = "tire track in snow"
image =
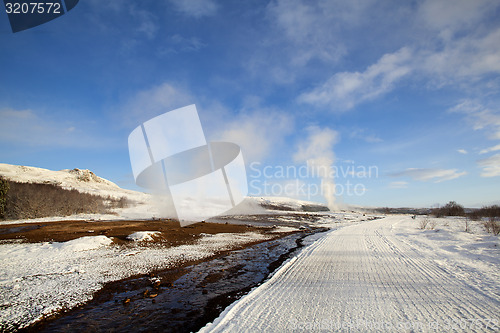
pixel 361 278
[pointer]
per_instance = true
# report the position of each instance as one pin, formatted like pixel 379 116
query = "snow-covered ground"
pixel 380 275
pixel 364 275
pixel 41 278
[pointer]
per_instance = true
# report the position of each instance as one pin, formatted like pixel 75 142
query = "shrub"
pixel 492 214
pixel 489 211
pixel 475 215
pixel 495 228
pixel 123 202
pixel 27 200
pixel 467 225
pixel 492 226
pixel 4 189
pixel 450 209
pixel 424 222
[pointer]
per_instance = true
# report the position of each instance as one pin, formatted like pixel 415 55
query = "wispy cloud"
pixel 463 62
pixel 258 131
pixel 180 44
pixel 146 22
pixel 480 117
pixel 447 19
pixel 108 16
pixel 398 184
pixel 463 53
pixel 302 23
pixel 154 101
pixel 363 135
pixel 462 151
pixel 196 8
pixel 490 149
pixel 490 165
pixel 488 120
pixel 345 90
pixel 436 175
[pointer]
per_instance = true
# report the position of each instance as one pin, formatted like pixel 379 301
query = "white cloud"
pixel 449 17
pixel 146 22
pixel 195 8
pixel 361 134
pixel 481 117
pixel 465 63
pixel 462 151
pixel 258 131
pixel 436 175
pixel 188 44
pixel 490 165
pixel 140 22
pixel 488 120
pixel 153 102
pixel 453 44
pixel 180 44
pixel 490 149
pixel 460 60
pixel 398 185
pixel 344 90
pixel 303 24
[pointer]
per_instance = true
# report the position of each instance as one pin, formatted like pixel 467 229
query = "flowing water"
pixel 194 296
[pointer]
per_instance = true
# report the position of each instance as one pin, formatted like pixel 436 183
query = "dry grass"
pixel 492 226
pixel 423 223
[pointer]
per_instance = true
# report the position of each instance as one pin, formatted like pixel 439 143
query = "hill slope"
pixel 142 205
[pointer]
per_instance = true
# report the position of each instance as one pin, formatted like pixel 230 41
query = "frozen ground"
pixel 381 275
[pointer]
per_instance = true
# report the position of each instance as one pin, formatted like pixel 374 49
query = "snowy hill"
pixel 82 180
pixel 144 205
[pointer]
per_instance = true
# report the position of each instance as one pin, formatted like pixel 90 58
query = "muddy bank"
pixel 172 233
pixel 182 299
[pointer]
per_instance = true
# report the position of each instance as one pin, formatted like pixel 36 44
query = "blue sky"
pixel 409 89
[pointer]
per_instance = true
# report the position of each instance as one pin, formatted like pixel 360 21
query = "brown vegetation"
pixel 27 200
pixel 172 234
pixel 450 209
pixel 490 216
pixel 4 189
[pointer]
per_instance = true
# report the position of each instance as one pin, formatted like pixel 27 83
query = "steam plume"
pixel 317 152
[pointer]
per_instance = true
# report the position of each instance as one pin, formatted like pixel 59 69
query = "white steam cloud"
pixel 317 152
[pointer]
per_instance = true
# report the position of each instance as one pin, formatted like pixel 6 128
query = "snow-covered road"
pixel 366 277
